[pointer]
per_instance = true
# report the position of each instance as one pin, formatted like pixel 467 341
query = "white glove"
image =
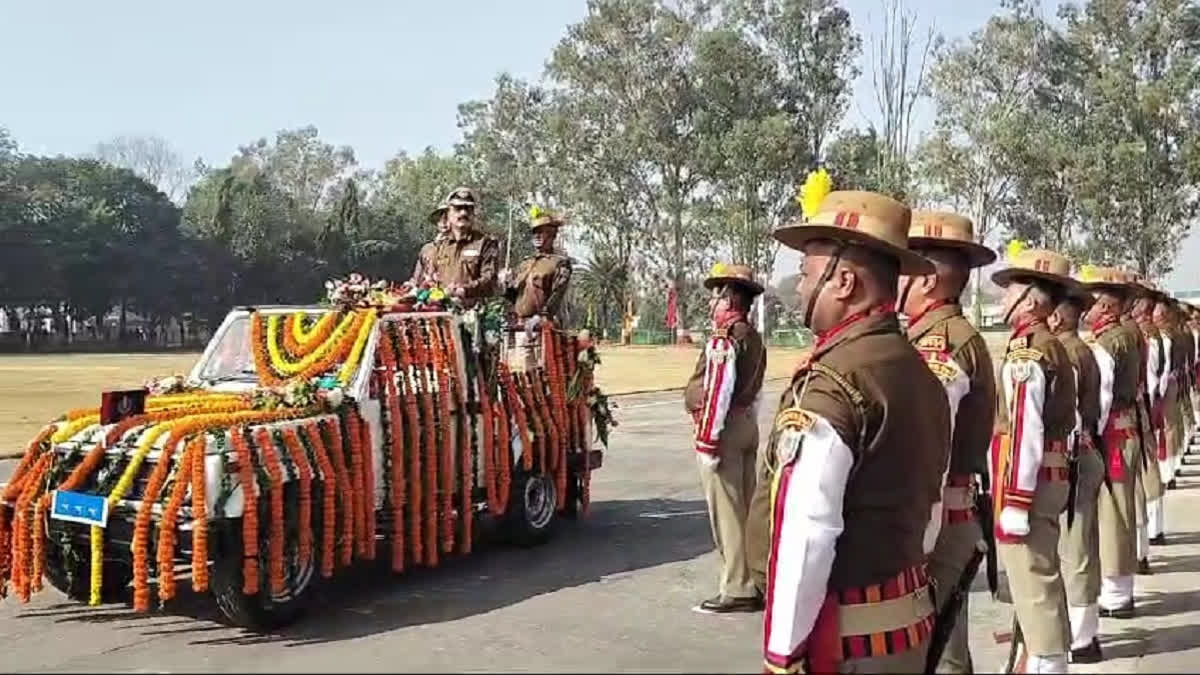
pixel 504 276
pixel 532 323
pixel 708 461
pixel 1014 521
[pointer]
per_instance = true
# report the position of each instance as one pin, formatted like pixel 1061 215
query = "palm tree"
pixel 601 284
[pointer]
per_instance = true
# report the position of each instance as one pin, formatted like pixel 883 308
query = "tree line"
pixel 673 133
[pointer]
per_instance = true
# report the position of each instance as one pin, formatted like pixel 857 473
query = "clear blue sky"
pixel 379 75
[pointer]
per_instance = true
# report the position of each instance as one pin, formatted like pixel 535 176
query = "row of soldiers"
pixel 465 261
pixel 900 460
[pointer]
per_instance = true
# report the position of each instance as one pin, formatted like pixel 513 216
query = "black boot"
pixel 1123 612
pixel 723 605
pixel 1158 540
pixel 1144 567
pixel 1088 654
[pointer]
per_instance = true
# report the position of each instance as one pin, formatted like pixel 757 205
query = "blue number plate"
pixel 78 507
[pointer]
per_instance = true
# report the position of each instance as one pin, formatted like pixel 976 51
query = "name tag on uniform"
pixel 471 253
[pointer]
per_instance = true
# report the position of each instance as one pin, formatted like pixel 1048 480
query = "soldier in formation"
pixel 1080 545
pixel 957 354
pixel 722 399
pixel 847 588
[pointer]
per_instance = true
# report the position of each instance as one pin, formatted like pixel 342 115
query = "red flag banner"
pixel 672 308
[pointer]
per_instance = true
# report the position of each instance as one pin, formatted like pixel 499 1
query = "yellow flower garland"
pixel 282 366
pixel 69 430
pixel 305 336
pixel 360 343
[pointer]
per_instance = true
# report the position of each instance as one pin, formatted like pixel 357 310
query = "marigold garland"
pixel 412 394
pixel 366 459
pixel 40 511
pixel 245 460
pixel 525 387
pixel 556 389
pixel 141 527
pixel 329 494
pixel 396 445
pixel 354 436
pixel 516 408
pixel 29 458
pixel 295 450
pixel 319 361
pixel 337 453
pixel 446 451
pixel 23 527
pixel 6 543
pixel 429 429
pixel 270 462
pixel 350 365
pixel 503 453
pixel 347 328
pixel 466 465
pixel 168 527
pixel 319 333
pixel 70 429
pixel 200 520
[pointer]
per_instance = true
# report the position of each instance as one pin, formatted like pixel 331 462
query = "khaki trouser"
pixel 758 524
pixel 1079 547
pixel 911 661
pixel 956 544
pixel 1034 575
pixel 728 488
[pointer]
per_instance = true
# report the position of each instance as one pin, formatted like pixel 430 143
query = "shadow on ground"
pixel 616 539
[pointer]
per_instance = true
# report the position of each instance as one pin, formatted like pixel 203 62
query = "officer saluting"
pixel 862 438
pixel 1035 417
pixel 958 355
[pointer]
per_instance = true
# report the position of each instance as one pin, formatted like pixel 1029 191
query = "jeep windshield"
pixel 231 357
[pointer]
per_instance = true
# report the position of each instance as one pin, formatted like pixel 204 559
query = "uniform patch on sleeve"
pixel 795 419
pixel 1018 343
pixel 1025 354
pixel 943 371
pixel 932 343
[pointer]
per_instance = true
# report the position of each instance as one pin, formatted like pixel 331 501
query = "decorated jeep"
pixel 307 441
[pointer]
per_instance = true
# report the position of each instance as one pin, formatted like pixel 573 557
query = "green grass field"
pixel 36 388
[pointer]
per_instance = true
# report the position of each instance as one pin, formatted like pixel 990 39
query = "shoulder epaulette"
pixel 935 342
pixel 1019 343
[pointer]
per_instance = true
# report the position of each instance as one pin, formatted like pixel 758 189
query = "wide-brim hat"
pixel 866 219
pixel 941 229
pixel 1097 278
pixel 461 196
pixel 1144 287
pixel 539 217
pixel 741 275
pixel 1039 265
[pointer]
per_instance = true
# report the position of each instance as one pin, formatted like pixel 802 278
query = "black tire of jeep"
pixel 531 516
pixel 76 583
pixel 260 612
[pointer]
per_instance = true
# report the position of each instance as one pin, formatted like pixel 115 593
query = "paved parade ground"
pixel 611 593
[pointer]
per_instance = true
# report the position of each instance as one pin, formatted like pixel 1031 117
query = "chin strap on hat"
pixel 1020 299
pixel 826 275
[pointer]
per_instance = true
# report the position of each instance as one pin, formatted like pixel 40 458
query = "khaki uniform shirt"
pixel 540 286
pixel 1087 379
pixel 469 261
pixel 750 366
pixel 424 266
pixel 944 331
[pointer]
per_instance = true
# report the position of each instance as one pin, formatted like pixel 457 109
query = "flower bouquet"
pixel 356 291
pixel 322 392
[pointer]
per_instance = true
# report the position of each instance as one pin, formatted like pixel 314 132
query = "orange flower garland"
pixel 487 420
pixel 396 432
pixel 446 454
pixel 245 459
pixel 413 424
pixel 466 466
pixel 329 490
pixel 503 452
pixel 296 451
pixel 514 405
pixel 366 457
pixel 23 528
pixel 558 409
pixel 331 353
pixel 337 453
pixel 270 462
pixel 354 435
pixel 33 453
pixel 40 511
pixel 540 437
pixel 262 358
pixel 429 427
pixel 318 334
pixel 200 521
pixel 168 527
pixel 141 528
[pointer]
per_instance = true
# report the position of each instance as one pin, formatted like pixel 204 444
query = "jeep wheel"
pixel 265 610
pixel 531 517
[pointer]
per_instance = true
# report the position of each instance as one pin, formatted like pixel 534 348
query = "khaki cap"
pixel 865 219
pixel 742 275
pixel 1097 278
pixel 461 196
pixel 941 229
pixel 436 214
pixel 539 217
